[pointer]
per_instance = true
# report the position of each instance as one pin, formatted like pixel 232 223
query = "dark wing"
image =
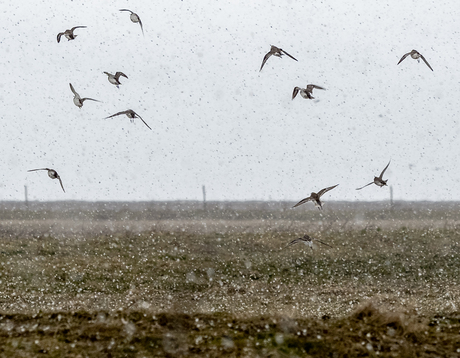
pixel 294 93
pixel 402 58
pixel 91 99
pixel 142 120
pixel 364 186
pixel 140 23
pixel 303 201
pixel 60 181
pixel 34 170
pixel 325 190
pixel 118 74
pixel 288 54
pixel 423 58
pixel 267 56
pixel 73 90
pixel 59 36
pixel 117 114
pixel 126 10
pixel 314 86
pixel 383 171
pixel 322 242
pixel 295 241
pixel 77 27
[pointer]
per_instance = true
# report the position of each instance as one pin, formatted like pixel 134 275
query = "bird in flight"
pixel 131 114
pixel 307 240
pixel 306 92
pixel 315 197
pixel 115 79
pixel 134 18
pixel 378 180
pixel 69 33
pixel 275 51
pixel 52 174
pixel 78 100
pixel 416 56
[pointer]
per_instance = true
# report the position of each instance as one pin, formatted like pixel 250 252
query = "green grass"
pixel 118 288
pixel 412 266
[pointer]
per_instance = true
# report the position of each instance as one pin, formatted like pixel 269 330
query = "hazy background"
pixel 194 78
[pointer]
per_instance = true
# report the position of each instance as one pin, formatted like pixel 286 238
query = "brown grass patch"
pixel 366 332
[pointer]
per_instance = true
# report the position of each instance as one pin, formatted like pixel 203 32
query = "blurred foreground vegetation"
pixel 367 332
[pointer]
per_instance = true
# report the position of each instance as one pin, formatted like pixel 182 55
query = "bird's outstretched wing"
pixel 364 186
pixel 126 10
pixel 383 171
pixel 266 57
pixel 116 114
pixel 140 23
pixel 325 190
pixel 288 54
pixel 296 90
pixel 303 201
pixel 293 242
pixel 402 58
pixel 118 74
pixel 90 99
pixel 34 170
pixel 59 36
pixel 73 90
pixel 77 27
pixel 322 242
pixel 142 120
pixel 315 86
pixel 423 58
pixel 60 181
pixel 307 239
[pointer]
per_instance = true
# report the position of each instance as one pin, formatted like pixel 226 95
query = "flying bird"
pixel 307 240
pixel 315 197
pixel 416 56
pixel 275 51
pixel 378 180
pixel 78 100
pixel 131 114
pixel 134 18
pixel 69 33
pixel 51 173
pixel 115 79
pixel 306 92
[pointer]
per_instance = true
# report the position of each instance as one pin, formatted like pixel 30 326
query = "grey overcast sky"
pixel 194 78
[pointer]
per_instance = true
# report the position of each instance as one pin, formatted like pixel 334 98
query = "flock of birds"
pixel 306 93
pixel 113 79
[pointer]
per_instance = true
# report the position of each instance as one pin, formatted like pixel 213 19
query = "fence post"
pixel 391 198
pixel 25 195
pixel 204 197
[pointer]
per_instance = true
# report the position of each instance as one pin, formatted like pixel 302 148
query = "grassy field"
pixel 178 280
